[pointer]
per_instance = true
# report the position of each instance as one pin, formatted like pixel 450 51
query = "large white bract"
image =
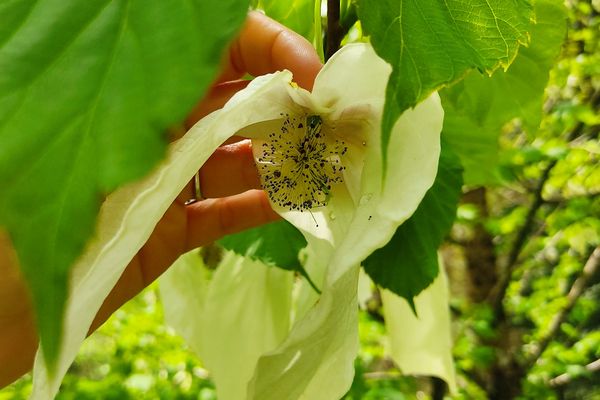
pixel 325 177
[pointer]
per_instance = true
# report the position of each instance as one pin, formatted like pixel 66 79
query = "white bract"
pixel 320 160
pixel 419 345
pixel 230 319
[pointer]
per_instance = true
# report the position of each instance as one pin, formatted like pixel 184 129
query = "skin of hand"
pixel 228 181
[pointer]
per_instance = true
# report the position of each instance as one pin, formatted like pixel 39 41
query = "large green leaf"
pixel 408 263
pixel 433 43
pixel 87 92
pixel 478 106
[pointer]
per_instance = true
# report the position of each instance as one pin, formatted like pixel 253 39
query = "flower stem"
pixel 318 35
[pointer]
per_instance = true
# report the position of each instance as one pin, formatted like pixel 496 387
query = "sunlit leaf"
pixel 430 44
pixel 295 14
pixel 478 106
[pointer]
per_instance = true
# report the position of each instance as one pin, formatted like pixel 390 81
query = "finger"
pixel 229 171
pixel 265 46
pixel 18 338
pixel 214 100
pixel 211 219
pixel 15 297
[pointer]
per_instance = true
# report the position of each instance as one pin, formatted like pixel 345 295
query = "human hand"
pixel 228 181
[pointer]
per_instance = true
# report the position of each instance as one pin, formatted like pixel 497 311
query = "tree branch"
pixel 590 268
pixel 497 295
pixel 557 198
pixel 382 375
pixel 565 379
pixel 334 34
pixel 438 388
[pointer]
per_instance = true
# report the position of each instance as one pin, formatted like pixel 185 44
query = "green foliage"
pixel 295 14
pixel 562 233
pixel 276 244
pixel 478 106
pixel 132 356
pixel 430 44
pixel 409 262
pixel 83 85
pixel 540 292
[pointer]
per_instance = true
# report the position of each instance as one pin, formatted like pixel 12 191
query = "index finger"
pixel 264 46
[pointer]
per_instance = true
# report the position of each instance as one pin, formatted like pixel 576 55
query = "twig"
pixel 497 295
pixel 590 268
pixel 334 30
pixel 565 379
pixel 374 305
pixel 382 375
pixel 438 388
pixel 557 198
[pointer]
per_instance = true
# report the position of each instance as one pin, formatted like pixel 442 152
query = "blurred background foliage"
pixel 134 355
pixel 522 259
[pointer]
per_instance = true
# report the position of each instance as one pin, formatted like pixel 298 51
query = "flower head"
pixel 300 163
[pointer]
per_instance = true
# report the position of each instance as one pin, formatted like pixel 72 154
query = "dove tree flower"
pixel 320 161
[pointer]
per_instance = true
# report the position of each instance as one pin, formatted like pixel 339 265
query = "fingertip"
pixel 215 99
pixel 265 46
pixel 211 219
pixel 293 52
pixel 230 170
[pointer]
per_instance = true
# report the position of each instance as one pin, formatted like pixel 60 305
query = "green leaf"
pixel 478 107
pixel 430 44
pixel 276 244
pixel 409 262
pixel 298 15
pixel 87 92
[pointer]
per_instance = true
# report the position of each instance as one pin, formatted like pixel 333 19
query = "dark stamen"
pixel 298 165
